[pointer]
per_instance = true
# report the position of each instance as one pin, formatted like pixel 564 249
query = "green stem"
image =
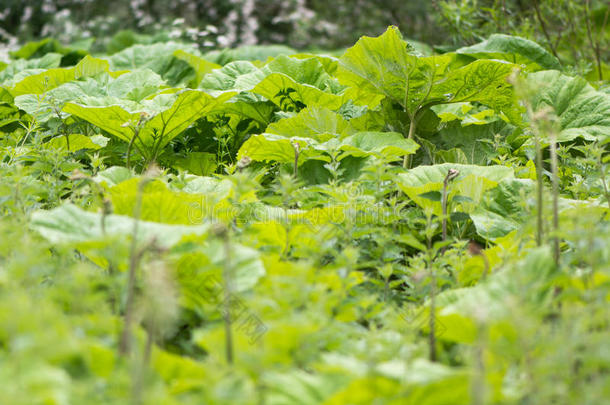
pixel 432 318
pixel 296 159
pixel 539 191
pixel 604 183
pixel 406 163
pixel 451 174
pixel 478 393
pixel 227 297
pixel 130 147
pixel 125 341
pixel 544 30
pixel 593 44
pixel 555 185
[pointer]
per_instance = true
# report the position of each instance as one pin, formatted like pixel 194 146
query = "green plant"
pixel 281 252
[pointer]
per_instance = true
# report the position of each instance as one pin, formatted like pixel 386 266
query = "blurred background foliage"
pixel 575 31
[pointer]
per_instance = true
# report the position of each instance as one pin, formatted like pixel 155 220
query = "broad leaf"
pixel 517 50
pixel 582 111
pixel 168 116
pixel 199 65
pixel 472 182
pixel 386 145
pixel 19 69
pixel 387 65
pixel 70 224
pixel 157 57
pixel 248 53
pixel 315 123
pixel 76 142
pixel 199 163
pixel 51 78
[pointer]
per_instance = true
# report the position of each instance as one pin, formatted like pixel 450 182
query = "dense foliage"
pixel 259 226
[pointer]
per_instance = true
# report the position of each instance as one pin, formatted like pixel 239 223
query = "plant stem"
pixel 432 318
pixel 604 183
pixel 296 158
pixel 125 341
pixel 406 163
pixel 478 384
pixel 227 295
pixel 451 174
pixel 539 191
pixel 593 44
pixel 130 147
pixel 544 30
pixel 555 189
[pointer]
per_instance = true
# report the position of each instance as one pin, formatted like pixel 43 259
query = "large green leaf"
pixel 46 105
pixel 199 65
pixel 290 83
pixel 159 58
pixel 235 76
pixel 517 50
pixel 199 163
pixel 168 116
pixel 51 78
pixel 387 145
pixel 582 111
pixel 472 182
pixel 17 70
pixel 387 65
pixel 196 203
pixel 475 141
pixel 70 224
pixel 501 210
pixel 292 96
pixel 248 106
pixel 275 148
pixel 77 142
pixel 70 54
pixel 248 53
pixel 270 147
pixel 315 122
pixel 318 132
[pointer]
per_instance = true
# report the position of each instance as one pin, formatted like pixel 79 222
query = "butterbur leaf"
pixel 168 116
pixel 387 65
pixel 49 79
pixel 388 145
pixel 70 54
pixel 483 81
pixel 199 65
pixel 314 122
pixel 582 111
pixel 292 96
pixel 466 113
pixel 501 211
pixel 270 147
pixel 236 76
pixel 77 142
pixel 23 68
pixel 290 83
pixel 248 106
pixel 159 58
pixel 472 182
pixel 431 195
pixel 70 224
pixel 199 163
pixel 275 148
pixel 514 49
pixel 248 53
